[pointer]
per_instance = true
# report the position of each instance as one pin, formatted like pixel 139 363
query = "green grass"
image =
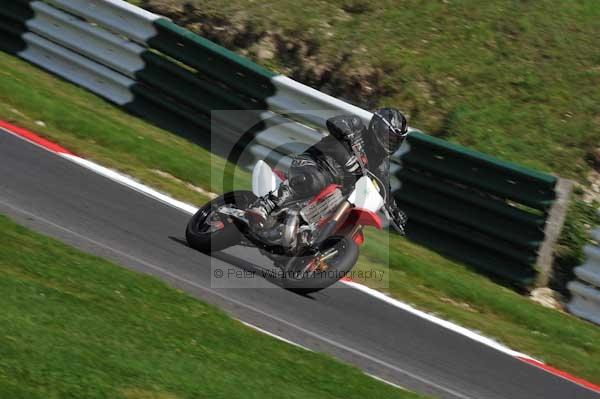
pixel 76 326
pixel 514 79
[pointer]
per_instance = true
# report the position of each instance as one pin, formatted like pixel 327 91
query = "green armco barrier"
pixel 154 107
pixel 500 178
pixel 213 60
pixel 508 167
pixel 472 198
pixel 479 258
pixel 160 100
pixel 16 11
pixel 465 233
pixel 192 96
pixel 479 203
pixel 496 225
pixel 13 17
pixel 10 27
pixel 190 88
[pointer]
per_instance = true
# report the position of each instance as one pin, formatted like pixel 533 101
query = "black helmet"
pixel 388 125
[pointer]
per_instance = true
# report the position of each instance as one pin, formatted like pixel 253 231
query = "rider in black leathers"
pixel 333 160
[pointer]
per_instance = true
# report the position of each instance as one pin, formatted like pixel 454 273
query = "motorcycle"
pixel 314 242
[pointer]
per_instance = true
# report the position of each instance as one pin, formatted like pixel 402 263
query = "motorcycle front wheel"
pixel 208 232
pixel 305 273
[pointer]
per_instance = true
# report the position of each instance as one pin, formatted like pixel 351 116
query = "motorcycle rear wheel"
pixel 198 234
pixel 294 279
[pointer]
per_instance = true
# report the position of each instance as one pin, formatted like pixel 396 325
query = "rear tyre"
pixel 208 232
pixel 300 280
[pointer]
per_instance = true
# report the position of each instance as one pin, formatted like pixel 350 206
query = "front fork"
pixel 331 225
pixel 320 262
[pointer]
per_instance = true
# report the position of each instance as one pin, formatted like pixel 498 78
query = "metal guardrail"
pixel 78 69
pixel 117 16
pixel 88 40
pixel 489 213
pixel 585 291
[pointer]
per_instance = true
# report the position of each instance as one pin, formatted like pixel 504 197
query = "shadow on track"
pixel 266 273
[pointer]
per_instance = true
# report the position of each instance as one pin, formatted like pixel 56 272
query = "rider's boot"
pixel 258 213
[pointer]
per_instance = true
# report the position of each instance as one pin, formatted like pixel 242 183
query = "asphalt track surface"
pixel 56 197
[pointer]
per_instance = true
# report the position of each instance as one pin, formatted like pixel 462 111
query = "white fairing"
pixel 264 180
pixel 366 195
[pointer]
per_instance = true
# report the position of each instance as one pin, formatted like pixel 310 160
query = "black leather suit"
pixel 332 161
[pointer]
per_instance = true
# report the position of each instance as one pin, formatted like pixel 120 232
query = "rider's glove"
pixel 398 218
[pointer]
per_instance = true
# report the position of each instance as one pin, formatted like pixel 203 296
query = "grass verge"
pixel 74 325
pixel 416 275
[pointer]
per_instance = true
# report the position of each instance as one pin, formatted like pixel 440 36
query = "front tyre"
pixel 209 232
pixel 304 274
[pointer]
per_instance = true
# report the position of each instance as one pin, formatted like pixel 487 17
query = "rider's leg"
pixel 265 205
pixel 306 179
